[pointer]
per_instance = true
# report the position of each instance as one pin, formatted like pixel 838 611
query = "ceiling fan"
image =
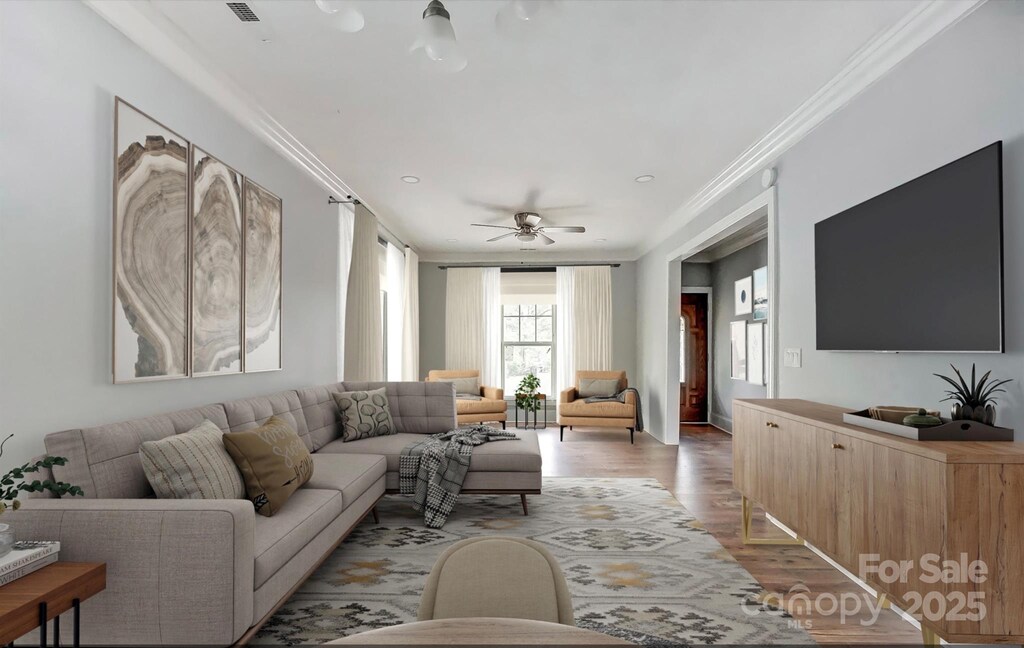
pixel 528 229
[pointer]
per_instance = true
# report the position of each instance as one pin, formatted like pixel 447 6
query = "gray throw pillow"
pixel 598 387
pixel 469 385
pixel 364 414
pixel 192 465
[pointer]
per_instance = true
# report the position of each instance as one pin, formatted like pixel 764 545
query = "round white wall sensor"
pixel 768 177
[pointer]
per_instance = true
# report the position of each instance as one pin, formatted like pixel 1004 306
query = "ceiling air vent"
pixel 243 11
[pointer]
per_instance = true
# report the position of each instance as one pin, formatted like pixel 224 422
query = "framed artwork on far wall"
pixel 744 298
pixel 262 297
pixel 151 243
pixel 738 337
pixel 755 353
pixel 761 294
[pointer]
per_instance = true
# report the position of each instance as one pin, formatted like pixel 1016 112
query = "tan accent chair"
pixel 490 408
pixel 492 576
pixel 573 410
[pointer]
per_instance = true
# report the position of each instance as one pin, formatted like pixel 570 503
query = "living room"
pixel 366 322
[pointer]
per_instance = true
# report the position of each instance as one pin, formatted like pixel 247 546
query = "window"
pixel 528 345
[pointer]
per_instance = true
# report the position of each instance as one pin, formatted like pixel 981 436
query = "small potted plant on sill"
pixel 527 398
pixel 976 401
pixel 14 482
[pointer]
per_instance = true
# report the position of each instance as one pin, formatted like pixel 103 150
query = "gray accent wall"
pixel 61 65
pixel 961 91
pixel 433 285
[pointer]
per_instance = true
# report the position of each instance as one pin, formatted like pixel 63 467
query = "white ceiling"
pixel 561 122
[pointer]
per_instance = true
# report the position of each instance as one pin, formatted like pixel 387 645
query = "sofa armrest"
pixel 178 571
pixel 494 393
pixel 567 395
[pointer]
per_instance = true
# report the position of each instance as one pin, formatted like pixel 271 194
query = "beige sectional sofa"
pixel 212 571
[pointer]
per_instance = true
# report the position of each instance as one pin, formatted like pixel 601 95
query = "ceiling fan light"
pixel 526 237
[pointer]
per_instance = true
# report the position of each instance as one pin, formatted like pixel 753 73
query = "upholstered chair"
pixel 491 406
pixel 493 576
pixel 574 410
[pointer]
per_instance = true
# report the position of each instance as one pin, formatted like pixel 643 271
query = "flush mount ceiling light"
pixel 347 17
pixel 410 179
pixel 601 240
pixel 452 240
pixel 643 178
pixel 437 39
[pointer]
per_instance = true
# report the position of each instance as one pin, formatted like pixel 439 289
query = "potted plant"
pixel 526 394
pixel 14 482
pixel 976 401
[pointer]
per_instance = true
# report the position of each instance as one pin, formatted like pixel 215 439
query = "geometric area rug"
pixel 639 566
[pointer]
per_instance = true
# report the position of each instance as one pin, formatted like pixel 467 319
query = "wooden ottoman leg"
pixel 376 516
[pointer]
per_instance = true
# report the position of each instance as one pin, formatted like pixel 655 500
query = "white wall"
pixel 433 285
pixel 963 90
pixel 60 67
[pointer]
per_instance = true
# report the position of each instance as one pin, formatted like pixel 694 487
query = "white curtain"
pixel 346 219
pixel 411 321
pixel 564 309
pixel 396 310
pixel 490 372
pixel 464 319
pixel 592 318
pixel 364 344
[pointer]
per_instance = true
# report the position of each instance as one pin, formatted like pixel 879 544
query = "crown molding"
pixel 870 63
pixel 155 34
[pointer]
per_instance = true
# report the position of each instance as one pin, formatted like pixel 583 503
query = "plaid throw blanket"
pixel 621 397
pixel 432 470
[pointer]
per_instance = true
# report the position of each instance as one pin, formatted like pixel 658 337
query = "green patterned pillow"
pixel 364 414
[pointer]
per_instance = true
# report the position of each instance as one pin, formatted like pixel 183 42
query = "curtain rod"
pixel 523 264
pixel 350 200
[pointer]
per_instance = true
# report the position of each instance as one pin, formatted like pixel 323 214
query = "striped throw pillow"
pixel 192 465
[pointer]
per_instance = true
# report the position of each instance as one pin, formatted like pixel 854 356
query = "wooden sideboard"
pixel 852 492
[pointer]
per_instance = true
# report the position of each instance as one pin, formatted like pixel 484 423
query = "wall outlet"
pixel 793 358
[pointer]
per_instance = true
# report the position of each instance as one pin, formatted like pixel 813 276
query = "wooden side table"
pixel 32 600
pixel 526 422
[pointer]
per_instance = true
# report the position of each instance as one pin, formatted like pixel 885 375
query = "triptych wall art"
pixel 197 259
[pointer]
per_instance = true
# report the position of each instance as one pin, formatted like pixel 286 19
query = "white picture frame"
pixel 744 296
pixel 755 353
pixel 760 292
pixel 738 344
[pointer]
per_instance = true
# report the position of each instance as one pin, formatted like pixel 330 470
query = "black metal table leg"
pixel 42 624
pixel 56 631
pixel 75 603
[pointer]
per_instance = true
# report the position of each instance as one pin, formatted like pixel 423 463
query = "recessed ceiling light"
pixel 410 179
pixel 644 178
pixel 601 240
pixel 452 240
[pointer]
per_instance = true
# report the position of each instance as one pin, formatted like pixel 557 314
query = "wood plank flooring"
pixel 699 473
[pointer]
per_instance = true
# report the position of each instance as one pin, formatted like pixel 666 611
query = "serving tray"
pixel 948 431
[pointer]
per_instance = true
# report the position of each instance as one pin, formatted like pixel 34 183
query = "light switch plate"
pixel 793 358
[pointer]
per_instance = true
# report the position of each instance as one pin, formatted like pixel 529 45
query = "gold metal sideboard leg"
pixel 929 637
pixel 748 508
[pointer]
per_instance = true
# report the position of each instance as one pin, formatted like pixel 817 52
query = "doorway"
pixel 694 357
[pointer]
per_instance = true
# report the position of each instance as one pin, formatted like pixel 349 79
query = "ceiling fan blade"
pixel 547 239
pixel 498 238
pixel 494 226
pixel 577 229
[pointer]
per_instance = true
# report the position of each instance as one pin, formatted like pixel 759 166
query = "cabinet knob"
pixel 837 446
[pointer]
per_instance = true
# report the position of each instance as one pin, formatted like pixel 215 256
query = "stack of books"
pixel 26 557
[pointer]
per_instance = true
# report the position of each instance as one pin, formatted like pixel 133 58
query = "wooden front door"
pixel 693 376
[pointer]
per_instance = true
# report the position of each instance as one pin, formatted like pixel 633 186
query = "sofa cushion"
pixel 249 413
pixel 277 539
pixel 604 409
pixel 522 455
pixel 352 474
pixel 104 460
pixel 597 387
pixel 273 461
pixel 364 414
pixel 482 406
pixel 193 465
pixel 416 407
pixel 467 385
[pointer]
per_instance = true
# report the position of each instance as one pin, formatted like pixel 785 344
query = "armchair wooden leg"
pixel 522 498
pixel 561 433
pixel 631 430
pixel 503 425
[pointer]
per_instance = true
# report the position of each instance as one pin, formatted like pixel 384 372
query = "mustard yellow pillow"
pixel 273 461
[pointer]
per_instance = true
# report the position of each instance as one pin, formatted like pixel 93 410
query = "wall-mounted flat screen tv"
pixel 918 268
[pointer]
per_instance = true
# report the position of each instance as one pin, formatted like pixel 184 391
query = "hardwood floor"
pixel 699 473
